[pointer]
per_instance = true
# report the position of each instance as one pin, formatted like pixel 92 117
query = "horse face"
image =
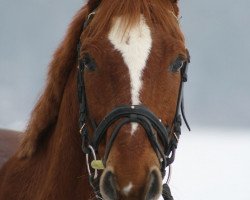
pixel 132 68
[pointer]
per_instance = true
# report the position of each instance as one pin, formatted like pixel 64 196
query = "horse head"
pixel 132 54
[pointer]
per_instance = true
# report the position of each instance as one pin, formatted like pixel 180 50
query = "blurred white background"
pixel 213 160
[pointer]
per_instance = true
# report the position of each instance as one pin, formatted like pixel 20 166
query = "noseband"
pixel 165 148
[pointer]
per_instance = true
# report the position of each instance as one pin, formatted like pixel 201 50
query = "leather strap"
pixel 133 113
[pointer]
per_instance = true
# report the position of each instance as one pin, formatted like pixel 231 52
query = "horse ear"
pixel 45 113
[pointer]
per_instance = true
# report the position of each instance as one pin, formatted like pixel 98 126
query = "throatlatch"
pixel 125 114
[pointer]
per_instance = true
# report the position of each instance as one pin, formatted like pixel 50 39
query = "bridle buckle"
pixel 92 152
pixel 81 129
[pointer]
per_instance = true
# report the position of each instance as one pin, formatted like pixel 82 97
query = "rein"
pixel 125 114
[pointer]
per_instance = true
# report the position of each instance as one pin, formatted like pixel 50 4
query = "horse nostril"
pixel 108 186
pixel 154 186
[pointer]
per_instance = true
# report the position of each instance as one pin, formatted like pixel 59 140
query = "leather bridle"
pixel 124 114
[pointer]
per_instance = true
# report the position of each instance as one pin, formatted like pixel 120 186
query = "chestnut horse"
pixel 129 68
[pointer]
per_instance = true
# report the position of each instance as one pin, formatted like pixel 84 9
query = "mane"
pixel 156 12
pixel 45 114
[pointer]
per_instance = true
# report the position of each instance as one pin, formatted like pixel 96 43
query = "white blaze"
pixel 135 46
pixel 126 190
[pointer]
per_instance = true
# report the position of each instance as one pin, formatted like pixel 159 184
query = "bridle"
pixel 124 114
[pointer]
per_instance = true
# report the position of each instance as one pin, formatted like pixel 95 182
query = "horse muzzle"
pixel 111 189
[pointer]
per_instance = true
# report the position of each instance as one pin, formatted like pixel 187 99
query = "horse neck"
pixel 66 160
pixel 66 138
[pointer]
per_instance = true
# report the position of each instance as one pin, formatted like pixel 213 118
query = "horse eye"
pixel 89 62
pixel 177 64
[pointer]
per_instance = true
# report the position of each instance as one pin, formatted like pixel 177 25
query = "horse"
pixel 108 121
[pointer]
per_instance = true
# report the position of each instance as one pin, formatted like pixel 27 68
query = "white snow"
pixel 212 165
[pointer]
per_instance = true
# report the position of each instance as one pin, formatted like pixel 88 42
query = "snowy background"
pixel 213 161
